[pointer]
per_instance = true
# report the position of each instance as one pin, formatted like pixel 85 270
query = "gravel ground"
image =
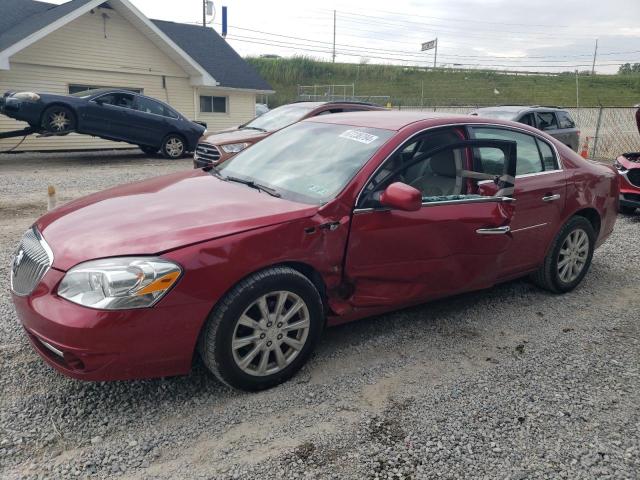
pixel 511 382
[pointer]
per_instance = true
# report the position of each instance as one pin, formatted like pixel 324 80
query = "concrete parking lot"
pixel 511 382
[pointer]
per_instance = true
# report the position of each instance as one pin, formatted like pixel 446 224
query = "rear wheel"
pixel 569 258
pixel 173 146
pixel 58 119
pixel 627 210
pixel 263 331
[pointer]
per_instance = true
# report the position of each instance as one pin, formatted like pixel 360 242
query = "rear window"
pixel 564 120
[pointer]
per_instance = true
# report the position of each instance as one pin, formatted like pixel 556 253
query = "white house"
pixel 86 44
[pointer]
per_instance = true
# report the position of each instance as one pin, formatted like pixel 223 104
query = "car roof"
pixel 519 108
pixel 397 120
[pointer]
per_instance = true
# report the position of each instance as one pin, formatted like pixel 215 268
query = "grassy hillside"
pixel 446 86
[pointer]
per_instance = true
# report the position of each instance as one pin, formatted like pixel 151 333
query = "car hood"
pixel 160 214
pixel 233 136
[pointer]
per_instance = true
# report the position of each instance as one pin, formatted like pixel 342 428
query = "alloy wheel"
pixel 59 121
pixel 270 333
pixel 174 147
pixel 573 255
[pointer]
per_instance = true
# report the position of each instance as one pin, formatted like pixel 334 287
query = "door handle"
pixel 493 231
pixel 551 198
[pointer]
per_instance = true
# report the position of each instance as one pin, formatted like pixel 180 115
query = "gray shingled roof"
pixel 21 18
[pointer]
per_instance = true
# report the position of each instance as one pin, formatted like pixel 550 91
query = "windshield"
pixel 499 114
pixel 307 162
pixel 280 117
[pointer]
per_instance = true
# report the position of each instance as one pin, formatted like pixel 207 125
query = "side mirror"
pixel 401 196
pixel 100 101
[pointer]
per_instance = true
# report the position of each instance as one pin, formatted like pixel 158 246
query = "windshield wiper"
pixel 252 184
pixel 254 128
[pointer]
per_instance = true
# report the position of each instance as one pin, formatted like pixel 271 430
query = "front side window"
pixel 435 176
pixel 439 164
pixel 211 104
pixel 564 120
pixel 117 99
pixel 307 162
pixel 533 155
pixel 546 120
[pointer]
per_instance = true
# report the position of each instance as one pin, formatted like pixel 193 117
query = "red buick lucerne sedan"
pixel 330 220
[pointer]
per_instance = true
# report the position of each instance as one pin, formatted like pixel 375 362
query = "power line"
pixel 421 56
pixel 295 46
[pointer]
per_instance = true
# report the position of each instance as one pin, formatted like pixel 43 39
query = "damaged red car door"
pixel 454 242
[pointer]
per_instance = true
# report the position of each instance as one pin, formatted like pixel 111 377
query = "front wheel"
pixel 569 257
pixel 58 119
pixel 264 330
pixel 173 147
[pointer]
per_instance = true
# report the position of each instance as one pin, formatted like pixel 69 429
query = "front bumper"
pixel 101 345
pixel 21 110
pixel 629 193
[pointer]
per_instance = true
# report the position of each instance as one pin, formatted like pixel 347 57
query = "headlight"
pixel 119 283
pixel 234 147
pixel 32 97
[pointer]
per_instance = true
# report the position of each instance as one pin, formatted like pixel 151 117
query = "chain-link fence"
pixel 609 131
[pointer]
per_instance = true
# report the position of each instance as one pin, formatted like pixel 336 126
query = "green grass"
pixel 446 86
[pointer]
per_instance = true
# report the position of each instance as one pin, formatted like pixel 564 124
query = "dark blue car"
pixel 111 114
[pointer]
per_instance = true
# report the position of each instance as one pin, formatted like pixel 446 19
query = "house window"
pixel 83 88
pixel 209 104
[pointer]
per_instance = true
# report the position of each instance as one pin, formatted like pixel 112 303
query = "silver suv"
pixel 554 121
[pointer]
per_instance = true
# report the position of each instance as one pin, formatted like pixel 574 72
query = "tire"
pixel 242 303
pixel 555 277
pixel 58 119
pixel 173 146
pixel 148 150
pixel 625 210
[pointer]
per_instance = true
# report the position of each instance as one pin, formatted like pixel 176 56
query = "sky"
pixel 541 35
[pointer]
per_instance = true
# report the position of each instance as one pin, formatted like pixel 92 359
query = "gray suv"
pixel 554 121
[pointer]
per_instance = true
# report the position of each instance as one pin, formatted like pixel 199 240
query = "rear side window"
pixel 547 121
pixel 548 158
pixel 564 120
pixel 492 160
pixel 149 106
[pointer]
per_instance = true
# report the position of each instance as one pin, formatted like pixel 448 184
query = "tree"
pixel 629 68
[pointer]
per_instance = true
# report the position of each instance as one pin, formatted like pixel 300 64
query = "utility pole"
pixel 595 53
pixel 435 54
pixel 334 37
pixel 204 13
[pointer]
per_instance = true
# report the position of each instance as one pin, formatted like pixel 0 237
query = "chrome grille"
pixel 31 261
pixel 207 153
pixel 634 176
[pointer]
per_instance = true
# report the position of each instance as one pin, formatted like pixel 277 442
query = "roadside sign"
pixel 430 45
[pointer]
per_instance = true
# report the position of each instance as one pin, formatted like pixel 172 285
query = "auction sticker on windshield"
pixel 359 136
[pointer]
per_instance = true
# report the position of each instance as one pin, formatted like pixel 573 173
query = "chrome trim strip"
pixel 494 231
pixel 446 202
pixel 464 125
pixel 50 347
pixel 529 227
